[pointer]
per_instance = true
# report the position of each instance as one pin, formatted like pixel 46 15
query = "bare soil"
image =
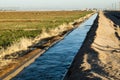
pixel 99 56
pixel 20 58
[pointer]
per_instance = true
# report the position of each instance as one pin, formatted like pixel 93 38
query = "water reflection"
pixel 54 63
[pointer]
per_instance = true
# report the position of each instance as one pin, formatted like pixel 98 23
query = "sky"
pixel 58 4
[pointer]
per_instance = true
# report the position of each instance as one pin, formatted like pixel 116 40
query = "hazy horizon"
pixel 57 4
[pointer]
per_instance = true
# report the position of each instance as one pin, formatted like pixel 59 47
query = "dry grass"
pixel 53 32
pixel 24 42
pixel 30 24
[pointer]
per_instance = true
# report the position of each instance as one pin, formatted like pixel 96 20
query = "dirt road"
pixel 99 56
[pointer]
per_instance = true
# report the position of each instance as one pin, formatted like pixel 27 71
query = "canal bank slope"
pixel 18 64
pixel 99 56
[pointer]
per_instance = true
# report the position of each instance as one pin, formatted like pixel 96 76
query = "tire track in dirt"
pixel 99 56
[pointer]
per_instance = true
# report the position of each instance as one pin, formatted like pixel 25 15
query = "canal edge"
pixel 89 34
pixel 39 52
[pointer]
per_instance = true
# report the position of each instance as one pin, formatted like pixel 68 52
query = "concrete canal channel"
pixel 54 63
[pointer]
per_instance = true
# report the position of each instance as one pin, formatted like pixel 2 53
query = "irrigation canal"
pixel 54 63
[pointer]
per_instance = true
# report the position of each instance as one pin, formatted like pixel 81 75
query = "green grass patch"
pixel 14 25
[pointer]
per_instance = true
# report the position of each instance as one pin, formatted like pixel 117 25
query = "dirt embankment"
pixel 99 56
pixel 19 60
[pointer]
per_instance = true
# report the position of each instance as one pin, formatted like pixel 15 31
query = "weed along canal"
pixel 54 63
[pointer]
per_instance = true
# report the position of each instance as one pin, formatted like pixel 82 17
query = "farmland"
pixel 15 25
pixel 20 30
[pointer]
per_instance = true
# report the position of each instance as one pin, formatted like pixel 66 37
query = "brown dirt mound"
pixel 99 56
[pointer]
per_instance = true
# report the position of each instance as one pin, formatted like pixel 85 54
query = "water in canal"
pixel 54 63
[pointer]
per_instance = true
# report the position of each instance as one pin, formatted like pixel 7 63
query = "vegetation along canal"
pixel 54 63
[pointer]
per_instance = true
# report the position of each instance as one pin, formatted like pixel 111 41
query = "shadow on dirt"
pixel 117 35
pixel 106 48
pixel 76 71
pixel 114 16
